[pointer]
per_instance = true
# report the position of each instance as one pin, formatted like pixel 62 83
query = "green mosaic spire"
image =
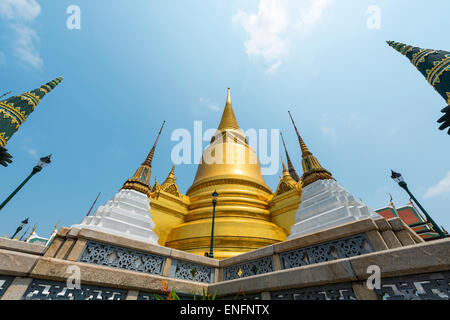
pixel 435 67
pixel 15 110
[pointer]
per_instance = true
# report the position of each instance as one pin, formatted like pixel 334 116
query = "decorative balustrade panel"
pixel 50 290
pixel 117 257
pixel 5 282
pixel 151 296
pixel 333 250
pixel 191 271
pixel 250 268
pixel 243 296
pixel 332 292
pixel 434 286
pixel 147 295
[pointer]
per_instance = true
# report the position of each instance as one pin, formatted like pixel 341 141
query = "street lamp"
pixel 214 202
pixel 44 161
pixel 397 177
pixel 22 224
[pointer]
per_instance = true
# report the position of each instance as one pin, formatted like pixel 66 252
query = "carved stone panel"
pixel 191 271
pixel 333 250
pixel 432 286
pixel 5 282
pixel 51 290
pixel 116 257
pixel 250 268
pixel 333 292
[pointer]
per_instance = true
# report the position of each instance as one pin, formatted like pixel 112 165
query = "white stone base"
pixel 326 204
pixel 127 215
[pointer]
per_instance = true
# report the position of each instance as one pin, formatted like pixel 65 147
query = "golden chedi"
pixel 243 219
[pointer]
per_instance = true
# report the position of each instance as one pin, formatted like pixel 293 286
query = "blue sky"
pixel 361 107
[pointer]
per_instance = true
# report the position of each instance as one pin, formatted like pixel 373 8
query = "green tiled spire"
pixel 435 67
pixel 15 110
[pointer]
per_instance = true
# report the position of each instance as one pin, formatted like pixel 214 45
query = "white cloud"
pixel 265 29
pixel 312 15
pixel 19 14
pixel 328 132
pixel 23 46
pixel 19 9
pixel 441 188
pixel 274 67
pixel 268 30
pixel 33 153
pixel 206 102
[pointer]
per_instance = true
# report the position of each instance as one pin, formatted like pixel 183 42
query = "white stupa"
pixel 325 203
pixel 127 214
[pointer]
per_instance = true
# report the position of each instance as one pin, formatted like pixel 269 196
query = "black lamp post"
pixel 397 177
pixel 41 164
pixel 22 224
pixel 214 202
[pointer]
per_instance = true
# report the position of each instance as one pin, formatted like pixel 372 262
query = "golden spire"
pixel 172 172
pixel 286 181
pixel 156 186
pixel 141 179
pixel 303 147
pixel 229 156
pixel 32 231
pixel 148 161
pixel 228 121
pixel 284 167
pixel 391 202
pixel 170 184
pixel 286 175
pixel 312 170
pixel 170 178
pixel 291 168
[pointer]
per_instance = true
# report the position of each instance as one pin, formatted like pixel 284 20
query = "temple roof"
pixel 435 67
pixel 287 183
pixel 141 178
pixel 170 184
pixel 312 169
pixel 15 110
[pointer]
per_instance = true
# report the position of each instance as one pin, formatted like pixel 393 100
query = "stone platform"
pixel 328 265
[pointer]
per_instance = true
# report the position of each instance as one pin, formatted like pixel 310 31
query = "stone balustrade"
pixel 330 264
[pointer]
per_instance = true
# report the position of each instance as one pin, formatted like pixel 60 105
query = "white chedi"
pixel 326 204
pixel 127 214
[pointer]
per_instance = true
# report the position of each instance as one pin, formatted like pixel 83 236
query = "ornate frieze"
pixel 116 257
pixel 250 268
pixel 191 271
pixel 333 292
pixel 51 290
pixel 228 181
pixel 149 296
pixel 431 286
pixel 5 282
pixel 243 296
pixel 333 250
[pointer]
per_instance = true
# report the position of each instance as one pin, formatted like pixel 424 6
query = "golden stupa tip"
pixel 228 121
pixel 282 163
